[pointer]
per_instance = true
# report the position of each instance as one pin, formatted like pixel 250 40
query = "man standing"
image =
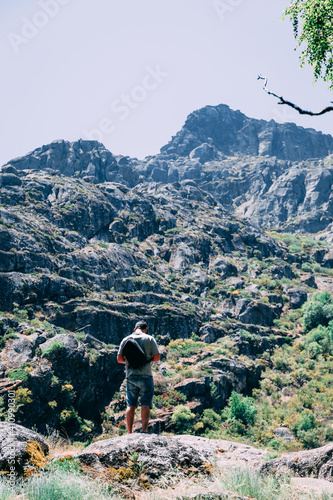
pixel 139 380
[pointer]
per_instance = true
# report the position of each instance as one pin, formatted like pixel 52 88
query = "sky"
pixel 129 72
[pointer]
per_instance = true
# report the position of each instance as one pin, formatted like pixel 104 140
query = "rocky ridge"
pixel 278 175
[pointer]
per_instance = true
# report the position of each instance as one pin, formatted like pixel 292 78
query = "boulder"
pixel 223 267
pixel 297 297
pixel 66 342
pixel 157 455
pixel 315 463
pixel 284 433
pixel 256 313
pixel 17 352
pixel 203 153
pixel 208 334
pixel 8 179
pixel 20 446
pixel 328 259
pixel 193 387
pixel 309 280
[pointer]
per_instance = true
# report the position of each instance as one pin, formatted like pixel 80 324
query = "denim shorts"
pixel 140 386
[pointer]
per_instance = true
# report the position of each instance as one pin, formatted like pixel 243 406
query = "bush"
pixel 306 267
pixel 55 348
pixel 319 341
pixel 211 420
pixel 241 408
pixel 18 374
pixel 183 419
pixel 318 310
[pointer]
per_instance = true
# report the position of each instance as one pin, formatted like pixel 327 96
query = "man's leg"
pixel 130 412
pixel 145 413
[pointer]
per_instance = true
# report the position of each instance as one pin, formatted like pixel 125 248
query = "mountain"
pixel 90 242
pixel 278 175
pixel 232 132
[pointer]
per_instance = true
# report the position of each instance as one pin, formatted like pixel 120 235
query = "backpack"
pixel 134 354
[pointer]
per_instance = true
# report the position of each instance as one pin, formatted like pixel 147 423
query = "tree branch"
pixel 292 105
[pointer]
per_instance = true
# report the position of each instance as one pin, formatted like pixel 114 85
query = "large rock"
pixel 315 463
pixel 297 297
pixel 19 446
pixel 158 455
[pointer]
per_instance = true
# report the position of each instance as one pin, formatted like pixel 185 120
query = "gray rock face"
pixel 231 132
pixel 13 445
pixel 297 297
pixel 203 153
pixel 158 455
pixel 284 433
pixel 315 463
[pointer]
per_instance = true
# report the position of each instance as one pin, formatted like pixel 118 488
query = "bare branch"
pixel 292 105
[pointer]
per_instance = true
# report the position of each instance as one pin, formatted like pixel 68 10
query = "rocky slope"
pixel 90 242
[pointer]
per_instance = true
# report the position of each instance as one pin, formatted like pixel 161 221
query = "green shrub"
pixel 241 408
pixel 210 420
pixel 314 349
pixel 318 310
pixel 183 419
pixel 320 341
pixel 169 399
pixel 55 348
pixel 306 267
pixel 18 374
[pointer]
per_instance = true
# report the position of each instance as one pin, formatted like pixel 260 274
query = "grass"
pixel 249 482
pixel 230 482
pixel 58 485
pixel 243 481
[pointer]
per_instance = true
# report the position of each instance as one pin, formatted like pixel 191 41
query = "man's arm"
pixel 121 359
pixel 156 357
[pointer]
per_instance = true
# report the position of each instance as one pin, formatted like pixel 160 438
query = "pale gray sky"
pixel 128 72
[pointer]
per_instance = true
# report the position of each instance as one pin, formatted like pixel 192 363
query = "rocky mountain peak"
pixel 232 132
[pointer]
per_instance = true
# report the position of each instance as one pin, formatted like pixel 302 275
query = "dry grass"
pixel 61 446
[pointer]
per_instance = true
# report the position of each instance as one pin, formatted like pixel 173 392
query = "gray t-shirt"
pixel 148 344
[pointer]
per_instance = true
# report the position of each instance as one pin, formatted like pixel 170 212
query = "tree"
pixel 313 30
pixel 318 310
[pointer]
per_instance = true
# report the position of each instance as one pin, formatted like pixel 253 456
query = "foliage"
pixel 22 396
pixel 186 347
pixel 313 28
pixel 54 349
pixel 18 374
pixel 241 408
pixel 210 421
pixel 183 419
pixel 169 399
pixel 318 310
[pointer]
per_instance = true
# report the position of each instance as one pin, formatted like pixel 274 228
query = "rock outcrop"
pixel 310 463
pixel 156 455
pixel 162 455
pixel 232 132
pixel 21 448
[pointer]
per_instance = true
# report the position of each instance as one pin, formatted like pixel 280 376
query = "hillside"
pixel 217 242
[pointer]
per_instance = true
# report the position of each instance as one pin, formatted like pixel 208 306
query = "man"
pixel 140 380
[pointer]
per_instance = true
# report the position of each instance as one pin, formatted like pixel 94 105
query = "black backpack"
pixel 134 354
